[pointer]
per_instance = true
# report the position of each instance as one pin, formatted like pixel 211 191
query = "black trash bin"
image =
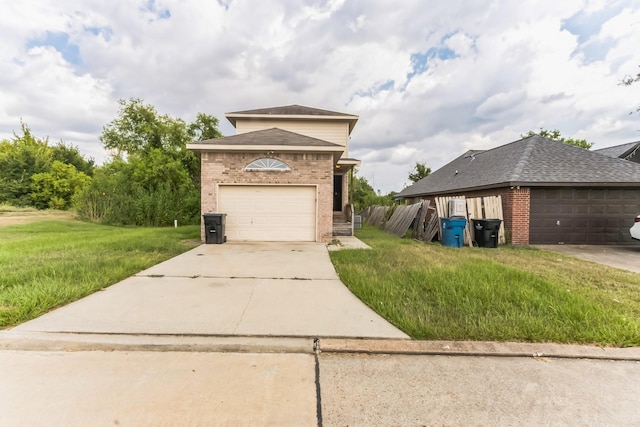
pixel 214 228
pixel 486 232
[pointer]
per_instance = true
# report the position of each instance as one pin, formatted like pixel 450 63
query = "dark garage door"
pixel 591 216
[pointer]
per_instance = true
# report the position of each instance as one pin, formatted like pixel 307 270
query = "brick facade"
pixel 517 202
pixel 516 206
pixel 306 169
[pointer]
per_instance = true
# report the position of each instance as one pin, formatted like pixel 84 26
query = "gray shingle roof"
pixel 291 110
pixel 619 151
pixel 273 136
pixel 532 161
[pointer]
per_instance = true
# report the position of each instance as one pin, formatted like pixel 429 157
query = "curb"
pixel 476 348
pixel 43 341
pixel 68 341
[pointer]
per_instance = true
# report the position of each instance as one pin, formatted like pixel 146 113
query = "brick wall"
pixel 306 168
pixel 518 202
pixel 515 210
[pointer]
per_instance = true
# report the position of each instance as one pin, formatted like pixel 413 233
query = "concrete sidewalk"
pixel 266 334
pixel 220 335
pixel 245 289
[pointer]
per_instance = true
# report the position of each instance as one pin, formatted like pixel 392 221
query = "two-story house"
pixel 282 177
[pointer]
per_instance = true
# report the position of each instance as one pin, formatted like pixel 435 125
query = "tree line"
pixel 35 173
pixel 149 179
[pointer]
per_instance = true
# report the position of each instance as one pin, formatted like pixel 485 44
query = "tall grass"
pixel 51 263
pixel 504 294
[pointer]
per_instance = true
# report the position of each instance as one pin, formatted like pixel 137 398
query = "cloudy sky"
pixel 429 79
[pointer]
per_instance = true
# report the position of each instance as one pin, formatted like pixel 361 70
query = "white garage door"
pixel 269 213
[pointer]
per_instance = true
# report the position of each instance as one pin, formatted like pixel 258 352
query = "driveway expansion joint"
pixel 316 354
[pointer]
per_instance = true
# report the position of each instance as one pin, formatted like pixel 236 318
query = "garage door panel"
pixel 269 213
pixel 582 215
pixel 582 210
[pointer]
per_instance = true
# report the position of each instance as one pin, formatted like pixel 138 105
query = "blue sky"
pixel 428 80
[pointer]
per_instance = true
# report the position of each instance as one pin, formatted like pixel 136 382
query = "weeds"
pixel 505 294
pixel 47 264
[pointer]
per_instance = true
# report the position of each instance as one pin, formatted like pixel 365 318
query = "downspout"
pixel 353 220
pixel 351 208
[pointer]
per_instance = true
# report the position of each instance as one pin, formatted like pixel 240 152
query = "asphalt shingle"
pixel 291 110
pixel 532 161
pixel 273 136
pixel 620 151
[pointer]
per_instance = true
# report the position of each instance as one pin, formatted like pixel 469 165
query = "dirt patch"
pixel 16 218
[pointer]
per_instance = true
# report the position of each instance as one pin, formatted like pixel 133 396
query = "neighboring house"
pixel 630 151
pixel 282 177
pixel 551 192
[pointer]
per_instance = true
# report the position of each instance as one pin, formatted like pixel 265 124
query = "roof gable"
pixel 621 151
pixel 532 161
pixel 289 110
pixel 292 112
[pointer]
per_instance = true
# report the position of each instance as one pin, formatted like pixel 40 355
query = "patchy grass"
pixel 12 215
pixel 47 264
pixel 505 294
pixel 4 208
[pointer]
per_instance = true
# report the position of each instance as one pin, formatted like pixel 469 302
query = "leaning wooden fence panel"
pixel 377 215
pixel 401 219
pixel 419 224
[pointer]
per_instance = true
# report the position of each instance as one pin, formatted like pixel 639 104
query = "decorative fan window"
pixel 266 164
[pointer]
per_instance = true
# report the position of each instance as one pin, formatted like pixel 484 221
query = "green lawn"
pixel 505 294
pixel 47 264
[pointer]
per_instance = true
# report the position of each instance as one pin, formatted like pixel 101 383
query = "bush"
pixel 116 196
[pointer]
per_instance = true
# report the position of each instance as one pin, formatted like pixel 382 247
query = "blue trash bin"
pixel 453 231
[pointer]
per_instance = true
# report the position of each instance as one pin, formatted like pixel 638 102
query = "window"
pixel 266 164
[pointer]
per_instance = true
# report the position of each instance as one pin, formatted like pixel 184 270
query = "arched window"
pixel 266 164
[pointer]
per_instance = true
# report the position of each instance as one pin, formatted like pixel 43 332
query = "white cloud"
pixel 492 69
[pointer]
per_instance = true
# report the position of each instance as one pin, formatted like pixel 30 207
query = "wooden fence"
pixel 424 219
pixel 489 207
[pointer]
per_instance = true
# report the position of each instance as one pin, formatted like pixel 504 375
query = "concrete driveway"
pixel 626 257
pixel 228 335
pixel 239 289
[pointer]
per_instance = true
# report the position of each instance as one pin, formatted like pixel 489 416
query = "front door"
pixel 337 193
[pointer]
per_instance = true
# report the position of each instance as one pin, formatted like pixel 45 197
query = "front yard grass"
pixel 47 264
pixel 505 294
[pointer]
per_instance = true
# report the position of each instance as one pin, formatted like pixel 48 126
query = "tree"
pixel 555 135
pixel 55 188
pixel 139 128
pixel 418 172
pixel 364 195
pixel 20 159
pixel 628 80
pixel 34 173
pixel 204 127
pixel 152 178
pixel 70 154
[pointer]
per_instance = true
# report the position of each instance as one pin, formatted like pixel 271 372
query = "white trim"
pixel 264 148
pixel 291 116
pixel 267 164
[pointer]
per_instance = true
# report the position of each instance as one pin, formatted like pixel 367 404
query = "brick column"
pixel 519 205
